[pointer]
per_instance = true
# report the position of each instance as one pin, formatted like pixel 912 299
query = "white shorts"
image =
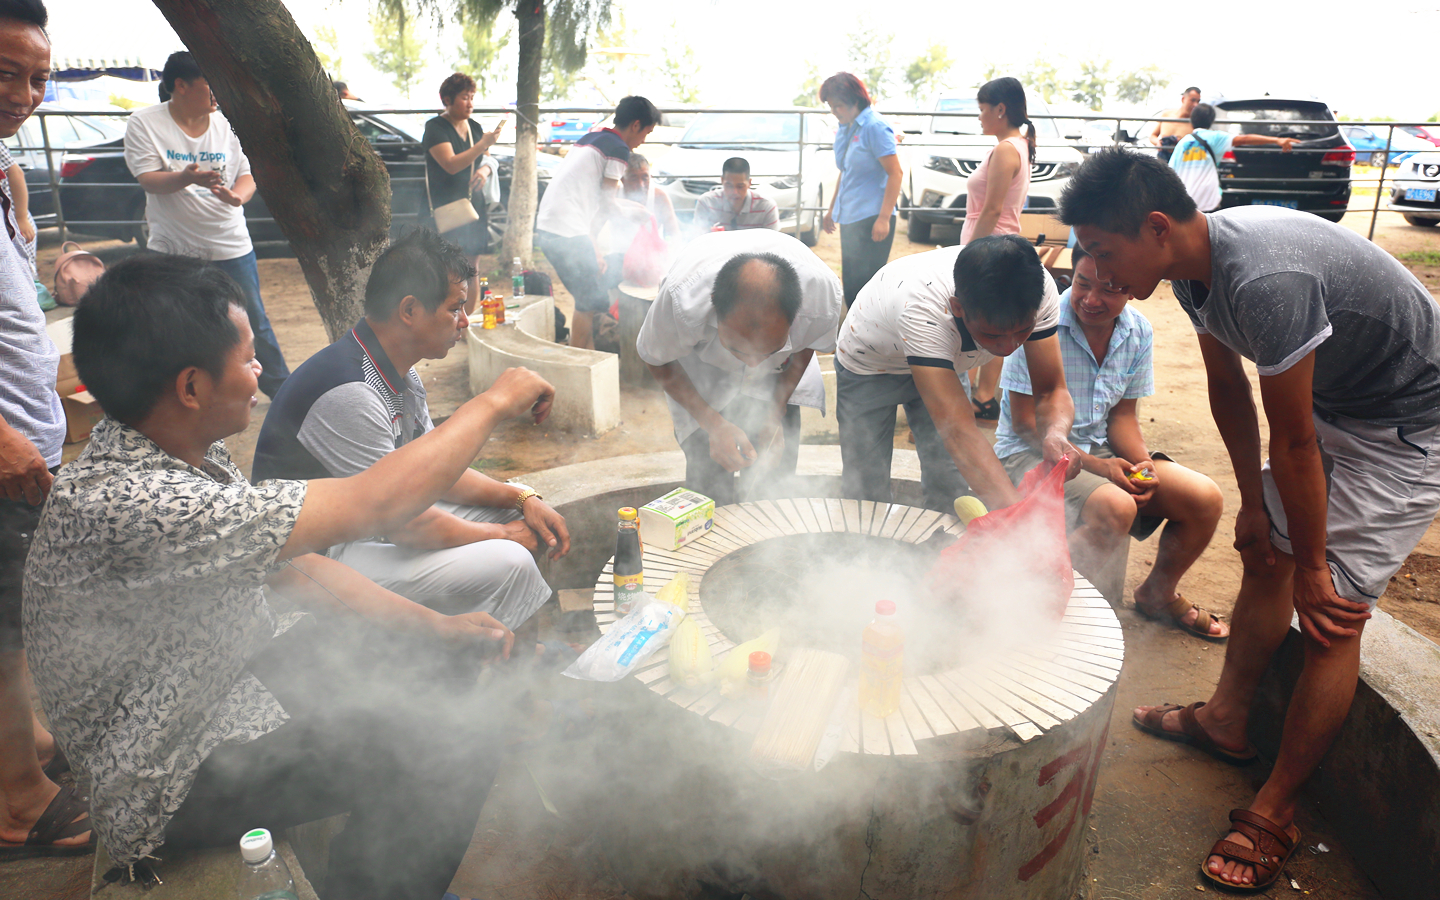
pixel 1383 489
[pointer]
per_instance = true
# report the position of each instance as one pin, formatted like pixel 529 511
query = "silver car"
pixel 1416 191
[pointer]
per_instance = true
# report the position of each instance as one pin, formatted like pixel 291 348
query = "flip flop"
pixel 57 766
pixel 988 410
pixel 1273 847
pixel 1178 607
pixel 66 816
pixel 1191 732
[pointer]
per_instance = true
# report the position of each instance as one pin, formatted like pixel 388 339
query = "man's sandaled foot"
pixel 1187 617
pixel 1251 857
pixel 1184 728
pixel 54 833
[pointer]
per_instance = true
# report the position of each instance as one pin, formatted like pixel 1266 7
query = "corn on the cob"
pixel 677 592
pixel 690 658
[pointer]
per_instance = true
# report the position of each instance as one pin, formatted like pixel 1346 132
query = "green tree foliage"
pixel 927 73
pixel 680 70
pixel 868 54
pixel 1139 85
pixel 398 52
pixel 480 50
pixel 1089 87
pixel 810 88
pixel 327 50
pixel 1043 77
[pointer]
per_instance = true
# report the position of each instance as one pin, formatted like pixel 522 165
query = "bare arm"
pixel 893 177
pixel 24 477
pixel 954 417
pixel 163 182
pixel 453 162
pixel 827 223
pixel 668 219
pixel 403 484
pixel 729 445
pixel 19 194
pixel 1261 140
pixel 1004 165
pixel 238 195
pixel 1054 408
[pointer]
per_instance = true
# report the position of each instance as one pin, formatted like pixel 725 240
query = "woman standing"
pixel 995 194
pixel 864 201
pixel 456 168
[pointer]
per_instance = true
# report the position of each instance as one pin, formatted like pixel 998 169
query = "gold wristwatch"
pixel 526 494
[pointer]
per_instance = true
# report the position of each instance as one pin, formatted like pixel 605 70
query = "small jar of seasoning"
pixel 760 675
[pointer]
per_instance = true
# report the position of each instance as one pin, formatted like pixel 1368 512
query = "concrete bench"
pixel 211 874
pixel 587 382
pixel 1379 785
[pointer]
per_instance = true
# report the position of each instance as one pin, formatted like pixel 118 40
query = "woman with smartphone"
pixel 456 169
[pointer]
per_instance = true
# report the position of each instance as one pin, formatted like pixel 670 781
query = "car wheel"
pixel 904 207
pixel 919 231
pixel 811 236
pixel 1423 223
pixel 496 218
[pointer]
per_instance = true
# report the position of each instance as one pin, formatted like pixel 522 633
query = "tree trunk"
pixel 520 218
pixel 324 185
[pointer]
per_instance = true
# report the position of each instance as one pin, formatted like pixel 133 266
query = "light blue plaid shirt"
pixel 1128 373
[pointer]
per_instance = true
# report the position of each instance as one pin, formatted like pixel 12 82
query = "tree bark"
pixel 520 217
pixel 326 188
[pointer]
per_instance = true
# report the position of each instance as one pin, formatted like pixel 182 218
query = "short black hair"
pixel 420 264
pixel 636 109
pixel 726 293
pixel 1115 189
pixel 180 65
pixel 31 12
pixel 1000 280
pixel 1077 253
pixel 1202 116
pixel 147 319
pixel 340 87
pixel 1189 89
pixel 735 165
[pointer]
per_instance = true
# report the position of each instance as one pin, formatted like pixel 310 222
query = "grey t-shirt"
pixel 28 358
pixel 1284 283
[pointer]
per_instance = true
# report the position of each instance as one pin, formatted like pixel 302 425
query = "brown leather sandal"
pixel 1273 846
pixel 1191 732
pixel 1175 609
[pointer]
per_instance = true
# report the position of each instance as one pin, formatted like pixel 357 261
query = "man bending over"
pixel 1124 490
pixel 1347 345
pixel 359 399
pixel 196 708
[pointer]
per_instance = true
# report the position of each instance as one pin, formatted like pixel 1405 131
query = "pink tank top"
pixel 979 183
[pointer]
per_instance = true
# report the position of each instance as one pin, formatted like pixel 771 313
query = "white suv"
pixel 952 147
pixel 1416 192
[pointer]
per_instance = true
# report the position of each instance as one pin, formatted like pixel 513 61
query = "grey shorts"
pixel 1382 485
pixel 1079 488
pixel 574 261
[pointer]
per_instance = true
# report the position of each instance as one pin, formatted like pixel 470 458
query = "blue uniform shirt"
pixel 859 147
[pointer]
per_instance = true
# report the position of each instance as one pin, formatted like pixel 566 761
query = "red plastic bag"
pixel 1020 550
pixel 648 256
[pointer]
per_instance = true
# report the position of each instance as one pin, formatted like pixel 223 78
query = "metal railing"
pixel 808 137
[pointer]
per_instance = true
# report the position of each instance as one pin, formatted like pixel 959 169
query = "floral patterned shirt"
pixel 143 606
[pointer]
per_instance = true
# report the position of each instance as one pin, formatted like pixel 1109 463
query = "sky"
pixel 758 52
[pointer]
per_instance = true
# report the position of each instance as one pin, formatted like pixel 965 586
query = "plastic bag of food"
pixel 735 667
pixel 691 661
pixel 631 641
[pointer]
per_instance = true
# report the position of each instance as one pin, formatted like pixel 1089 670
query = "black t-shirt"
pixel 444 187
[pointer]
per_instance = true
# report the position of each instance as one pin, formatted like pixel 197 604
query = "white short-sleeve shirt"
pixel 902 318
pixel 682 325
pixel 192 221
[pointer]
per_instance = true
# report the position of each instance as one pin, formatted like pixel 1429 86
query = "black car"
pixel 1314 176
pixel 75 132
pixel 100 197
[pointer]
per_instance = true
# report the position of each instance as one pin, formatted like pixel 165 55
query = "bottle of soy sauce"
pixel 629 574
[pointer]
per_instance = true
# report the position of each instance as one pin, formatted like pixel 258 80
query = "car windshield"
pixel 741 131
pixel 1276 120
pixel 1044 128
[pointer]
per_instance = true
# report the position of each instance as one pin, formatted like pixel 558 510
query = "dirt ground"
pixel 521 850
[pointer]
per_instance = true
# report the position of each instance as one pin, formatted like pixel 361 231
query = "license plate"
pixel 1288 204
pixel 1420 195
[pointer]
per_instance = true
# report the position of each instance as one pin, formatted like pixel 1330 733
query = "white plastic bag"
pixel 633 639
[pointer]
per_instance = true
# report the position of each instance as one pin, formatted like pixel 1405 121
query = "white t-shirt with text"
pixel 192 221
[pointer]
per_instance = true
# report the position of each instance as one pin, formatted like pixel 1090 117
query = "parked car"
pixel 567 128
pixel 1414 193
pixel 665 136
pixel 89 179
pixel 952 147
pixel 1314 176
pixel 1370 143
pixel 1425 133
pixel 71 133
pixel 768 142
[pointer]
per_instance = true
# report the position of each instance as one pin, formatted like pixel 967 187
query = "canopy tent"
pixel 86 69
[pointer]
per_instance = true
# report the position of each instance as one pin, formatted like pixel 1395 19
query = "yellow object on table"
pixel 969 508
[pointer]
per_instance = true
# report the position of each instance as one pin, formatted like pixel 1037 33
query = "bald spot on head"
pixel 756 326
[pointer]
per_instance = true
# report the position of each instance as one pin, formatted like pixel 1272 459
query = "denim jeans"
pixel 267 350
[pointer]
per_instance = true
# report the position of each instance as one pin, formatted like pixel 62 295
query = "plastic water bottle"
pixel 264 875
pixel 517 281
pixel 882 656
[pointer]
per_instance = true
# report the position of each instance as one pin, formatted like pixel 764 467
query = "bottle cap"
pixel 760 662
pixel 885 608
pixel 256 846
pixel 628 514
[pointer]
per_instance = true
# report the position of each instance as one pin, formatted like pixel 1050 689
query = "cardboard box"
pixel 62 332
pixel 82 411
pixel 676 519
